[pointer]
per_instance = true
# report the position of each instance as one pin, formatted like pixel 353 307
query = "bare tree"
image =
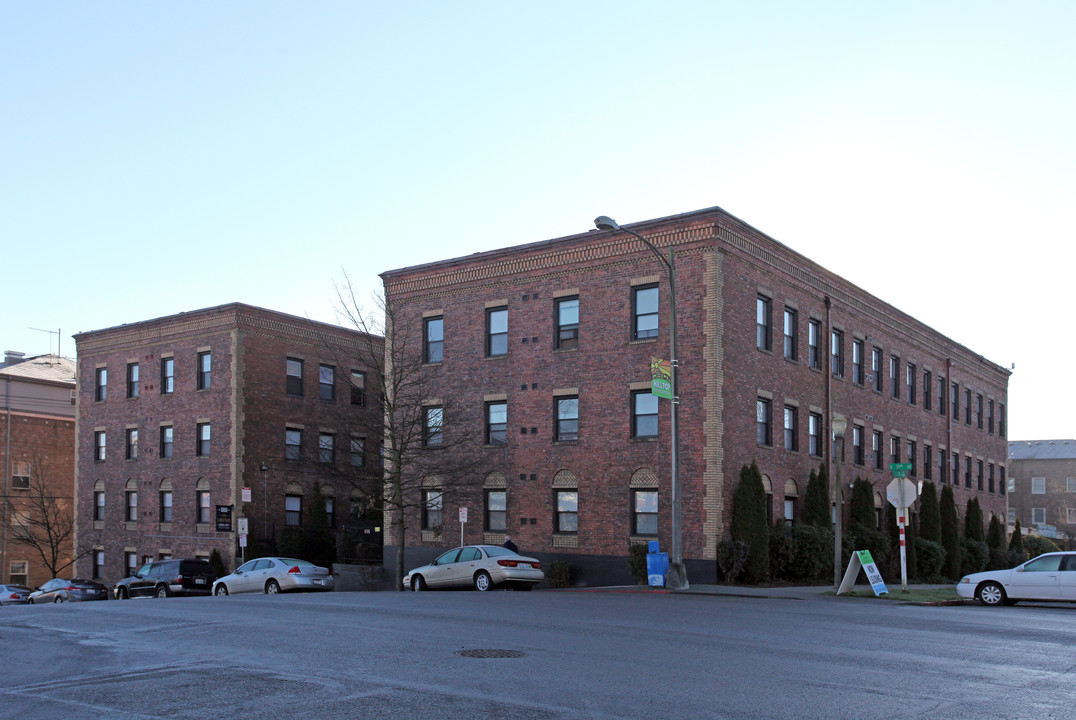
pixel 422 449
pixel 44 519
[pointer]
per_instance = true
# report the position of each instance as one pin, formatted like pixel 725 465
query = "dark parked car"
pixel 14 594
pixel 59 590
pixel 164 578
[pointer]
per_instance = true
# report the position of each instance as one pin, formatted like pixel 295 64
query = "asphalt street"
pixel 538 655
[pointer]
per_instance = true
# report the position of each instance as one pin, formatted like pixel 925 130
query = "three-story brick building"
pixel 232 407
pixel 545 350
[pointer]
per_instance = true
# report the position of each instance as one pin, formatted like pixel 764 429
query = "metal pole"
pixel 677 578
pixel 837 508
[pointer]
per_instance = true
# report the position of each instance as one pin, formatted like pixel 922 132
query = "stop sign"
pixel 892 492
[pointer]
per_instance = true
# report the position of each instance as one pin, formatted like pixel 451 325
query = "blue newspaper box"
pixel 657 566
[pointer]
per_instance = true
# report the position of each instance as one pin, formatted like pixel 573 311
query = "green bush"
pixel 816 506
pixel 1035 545
pixel 995 535
pixel 217 563
pixel 782 552
pixel 559 574
pixel 813 559
pixel 930 559
pixel 1016 543
pixel 950 533
pixel 861 511
pixel 1000 559
pixel 876 541
pixel 749 524
pixel 637 563
pixel 929 517
pixel 975 555
pixel 973 521
pixel 732 559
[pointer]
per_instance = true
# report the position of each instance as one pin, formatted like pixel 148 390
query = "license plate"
pixel 318 581
pixel 524 566
pixel 199 581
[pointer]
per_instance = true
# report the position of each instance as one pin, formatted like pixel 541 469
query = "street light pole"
pixel 265 504
pixel 840 426
pixel 677 577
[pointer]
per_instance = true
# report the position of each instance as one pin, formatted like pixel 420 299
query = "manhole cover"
pixel 488 653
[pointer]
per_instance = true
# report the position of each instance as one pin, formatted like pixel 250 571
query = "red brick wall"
pixel 48 442
pixel 722 265
pixel 247 407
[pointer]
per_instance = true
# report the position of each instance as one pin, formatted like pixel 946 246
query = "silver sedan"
pixel 483 567
pixel 272 575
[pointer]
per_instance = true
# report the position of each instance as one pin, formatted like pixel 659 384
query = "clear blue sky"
pixel 162 157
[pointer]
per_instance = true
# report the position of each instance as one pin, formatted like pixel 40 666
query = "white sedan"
pixel 483 567
pixel 272 575
pixel 1051 576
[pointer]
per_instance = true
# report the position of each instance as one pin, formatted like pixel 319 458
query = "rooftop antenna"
pixel 58 335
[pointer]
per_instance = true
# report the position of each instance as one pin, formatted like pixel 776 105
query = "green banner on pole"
pixel 661 378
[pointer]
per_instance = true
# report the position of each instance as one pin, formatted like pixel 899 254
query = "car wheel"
pixel 162 591
pixel 418 583
pixel 272 587
pixel 991 593
pixel 482 581
pixel 221 591
pixel 122 594
pixel 58 599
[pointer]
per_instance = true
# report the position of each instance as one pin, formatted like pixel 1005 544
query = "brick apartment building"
pixel 179 414
pixel 1042 488
pixel 38 451
pixel 545 348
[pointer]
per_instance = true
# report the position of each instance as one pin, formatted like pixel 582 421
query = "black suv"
pixel 164 578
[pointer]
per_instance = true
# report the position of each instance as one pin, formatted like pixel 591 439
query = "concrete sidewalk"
pixel 810 592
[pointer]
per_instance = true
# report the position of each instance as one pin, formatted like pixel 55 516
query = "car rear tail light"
pixel 516 563
pixel 179 580
pixel 13 596
pixel 69 588
pixel 295 570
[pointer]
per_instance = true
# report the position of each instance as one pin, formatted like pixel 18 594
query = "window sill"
pixel 98 524
pixel 495 446
pixel 644 341
pixel 764 351
pixel 165 527
pixel 496 357
pixel 565 442
pixel 565 350
pixel 645 439
pixel 130 526
pixel 203 528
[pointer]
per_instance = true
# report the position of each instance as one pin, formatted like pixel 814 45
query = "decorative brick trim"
pixel 495 480
pixel 644 478
pixel 565 479
pixel 565 541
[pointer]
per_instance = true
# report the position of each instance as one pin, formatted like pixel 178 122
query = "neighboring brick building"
pixel 552 342
pixel 1042 488
pixel 177 415
pixel 38 451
